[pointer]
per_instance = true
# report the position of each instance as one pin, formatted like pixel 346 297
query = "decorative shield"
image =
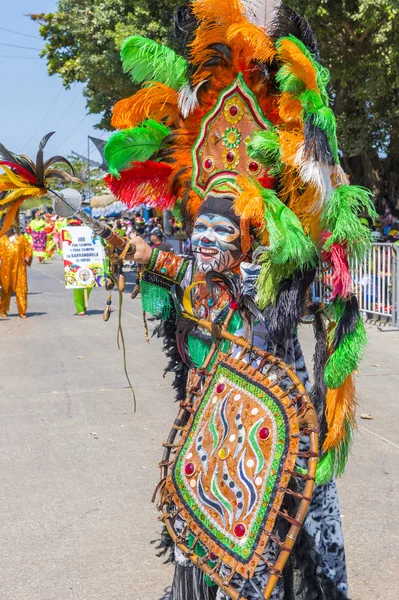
pixel 233 467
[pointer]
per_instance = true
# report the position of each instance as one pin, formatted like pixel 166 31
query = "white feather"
pixel 188 100
pixel 261 12
pixel 317 173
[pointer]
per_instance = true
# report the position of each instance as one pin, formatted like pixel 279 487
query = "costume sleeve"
pixel 164 270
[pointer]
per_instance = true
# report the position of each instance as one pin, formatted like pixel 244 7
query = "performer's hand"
pixel 143 250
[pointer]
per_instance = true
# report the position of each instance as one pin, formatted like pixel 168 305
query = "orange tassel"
pixel 297 63
pixel 340 410
pixel 158 102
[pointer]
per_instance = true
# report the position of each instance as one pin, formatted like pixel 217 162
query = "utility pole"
pixel 88 168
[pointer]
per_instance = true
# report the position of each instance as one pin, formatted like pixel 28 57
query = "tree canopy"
pixel 358 41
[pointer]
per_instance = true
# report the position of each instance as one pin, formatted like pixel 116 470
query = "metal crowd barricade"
pixel 376 284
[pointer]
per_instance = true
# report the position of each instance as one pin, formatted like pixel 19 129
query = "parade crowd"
pixel 43 239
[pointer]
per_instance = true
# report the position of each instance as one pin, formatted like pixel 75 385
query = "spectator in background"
pixel 157 241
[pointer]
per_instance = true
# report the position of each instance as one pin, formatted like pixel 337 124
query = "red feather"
pixel 341 277
pixel 144 183
pixel 19 170
pixel 267 181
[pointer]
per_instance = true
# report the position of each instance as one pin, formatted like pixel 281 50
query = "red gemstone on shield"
pixel 233 110
pixel 264 433
pixel 230 156
pixel 239 530
pixel 213 556
pixel 253 166
pixel 189 469
pixel 208 163
pixel 219 388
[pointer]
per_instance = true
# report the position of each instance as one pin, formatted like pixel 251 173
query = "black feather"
pixel 184 328
pixel 185 25
pixel 167 331
pixel 231 283
pixel 189 584
pixel 288 22
pixel 316 143
pixel 58 159
pixel 165 546
pixel 39 159
pixel 320 357
pixel 348 321
pixel 282 318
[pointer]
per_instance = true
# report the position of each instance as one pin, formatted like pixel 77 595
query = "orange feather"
pixel 158 102
pixel 249 206
pixel 290 142
pixel 340 410
pixel 297 63
pixel 290 108
pixel 251 41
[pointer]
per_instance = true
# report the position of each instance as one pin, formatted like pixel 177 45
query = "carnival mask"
pixel 216 242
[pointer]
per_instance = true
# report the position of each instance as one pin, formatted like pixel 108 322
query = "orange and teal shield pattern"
pixel 234 463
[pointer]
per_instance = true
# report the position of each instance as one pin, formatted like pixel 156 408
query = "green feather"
pixel 323 117
pixel 333 462
pixel 325 468
pixel 269 279
pixel 341 452
pixel 135 144
pixel 322 73
pixel 288 242
pixel 288 82
pixel 340 216
pixel 146 60
pixel 265 148
pixel 347 356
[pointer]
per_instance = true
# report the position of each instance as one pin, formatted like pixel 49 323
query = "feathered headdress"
pixel 24 179
pixel 244 111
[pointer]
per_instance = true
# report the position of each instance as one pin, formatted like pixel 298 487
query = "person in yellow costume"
pixel 15 255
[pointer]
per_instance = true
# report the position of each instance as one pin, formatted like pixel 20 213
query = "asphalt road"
pixel 78 467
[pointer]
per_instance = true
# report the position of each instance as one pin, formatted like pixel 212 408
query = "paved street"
pixel 78 468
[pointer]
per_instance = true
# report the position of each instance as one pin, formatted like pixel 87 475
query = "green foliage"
pixel 146 60
pixel 135 144
pixel 83 40
pixel 358 42
pixel 81 169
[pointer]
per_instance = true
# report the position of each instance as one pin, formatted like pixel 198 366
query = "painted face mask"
pixel 216 242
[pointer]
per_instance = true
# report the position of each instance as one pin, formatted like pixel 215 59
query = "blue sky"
pixel 31 102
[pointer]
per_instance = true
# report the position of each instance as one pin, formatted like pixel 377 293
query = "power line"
pixel 35 37
pixel 70 135
pixel 44 118
pixel 23 47
pixel 66 110
pixel 26 57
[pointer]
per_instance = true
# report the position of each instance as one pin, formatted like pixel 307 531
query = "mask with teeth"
pixel 216 237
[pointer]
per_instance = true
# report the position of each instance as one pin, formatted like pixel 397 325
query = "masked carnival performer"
pixel 15 256
pixel 236 131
